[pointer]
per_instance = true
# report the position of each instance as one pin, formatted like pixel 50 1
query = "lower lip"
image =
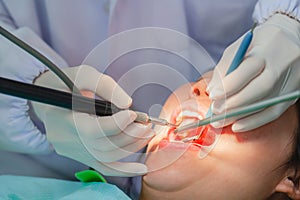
pixel 166 144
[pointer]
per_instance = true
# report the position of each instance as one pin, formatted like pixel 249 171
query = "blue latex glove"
pixel 17 131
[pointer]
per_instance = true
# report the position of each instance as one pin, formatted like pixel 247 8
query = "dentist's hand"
pixel 98 142
pixel 270 68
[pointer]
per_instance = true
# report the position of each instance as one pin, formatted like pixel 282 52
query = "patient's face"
pixel 240 166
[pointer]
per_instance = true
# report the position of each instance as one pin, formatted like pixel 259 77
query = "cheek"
pixel 257 149
pixel 251 162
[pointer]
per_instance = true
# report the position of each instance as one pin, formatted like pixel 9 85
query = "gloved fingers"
pixel 77 74
pixel 121 169
pixel 257 89
pixel 103 85
pixel 92 132
pixel 137 132
pixel 228 121
pixel 238 79
pixel 260 118
pixel 94 127
pixel 118 123
pixel 292 78
pixel 220 70
pixel 215 79
pixel 74 149
pixel 88 78
pixel 224 122
pixel 111 91
pixel 118 153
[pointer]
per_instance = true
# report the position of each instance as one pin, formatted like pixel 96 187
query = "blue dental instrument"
pixel 240 111
pixel 238 58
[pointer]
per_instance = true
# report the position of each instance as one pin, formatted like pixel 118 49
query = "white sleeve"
pixel 266 8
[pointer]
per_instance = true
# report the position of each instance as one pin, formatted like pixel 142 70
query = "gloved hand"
pixel 95 141
pixel 17 131
pixel 270 68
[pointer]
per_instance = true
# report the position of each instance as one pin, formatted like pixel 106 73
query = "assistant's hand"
pixel 95 141
pixel 17 131
pixel 271 68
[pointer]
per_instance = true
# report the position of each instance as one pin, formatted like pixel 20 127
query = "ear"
pixel 287 186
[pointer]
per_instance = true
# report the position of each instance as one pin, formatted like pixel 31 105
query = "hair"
pixel 294 160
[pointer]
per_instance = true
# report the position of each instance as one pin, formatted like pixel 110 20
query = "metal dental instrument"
pixel 69 101
pixel 239 111
pixel 145 118
pixel 238 58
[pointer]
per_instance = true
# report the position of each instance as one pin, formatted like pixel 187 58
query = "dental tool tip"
pixel 161 122
pixel 181 129
pixel 189 139
pixel 172 125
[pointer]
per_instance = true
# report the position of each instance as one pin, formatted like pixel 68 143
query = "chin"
pixel 168 167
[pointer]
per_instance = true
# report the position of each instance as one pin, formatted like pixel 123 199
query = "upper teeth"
pixel 187 114
pixel 186 117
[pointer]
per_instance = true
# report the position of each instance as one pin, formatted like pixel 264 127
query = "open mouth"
pixel 186 117
pixel 204 135
pixel 189 113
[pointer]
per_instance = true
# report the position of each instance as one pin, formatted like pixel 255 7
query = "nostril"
pixel 196 92
pixel 206 93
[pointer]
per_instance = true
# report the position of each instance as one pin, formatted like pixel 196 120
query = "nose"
pixel 198 90
pixel 195 91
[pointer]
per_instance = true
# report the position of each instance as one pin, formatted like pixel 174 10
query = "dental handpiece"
pixel 72 101
pixel 69 101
